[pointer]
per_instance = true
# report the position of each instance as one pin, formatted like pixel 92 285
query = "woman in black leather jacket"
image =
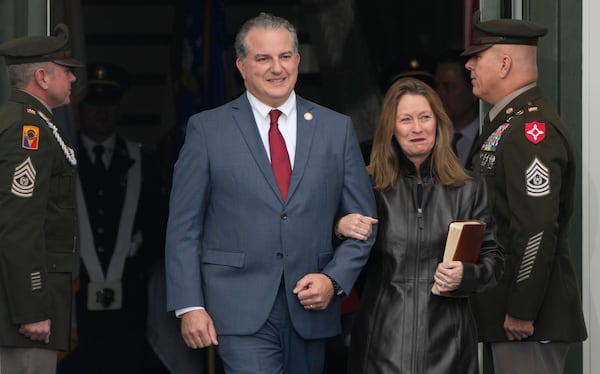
pixel 401 327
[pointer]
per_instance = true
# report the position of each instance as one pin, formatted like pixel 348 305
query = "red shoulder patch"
pixel 535 131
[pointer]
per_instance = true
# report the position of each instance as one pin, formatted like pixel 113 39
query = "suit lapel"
pixel 244 120
pixel 306 127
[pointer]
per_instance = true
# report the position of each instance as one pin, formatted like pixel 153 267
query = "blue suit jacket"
pixel 231 238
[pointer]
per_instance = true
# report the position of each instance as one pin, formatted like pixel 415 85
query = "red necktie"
pixel 280 160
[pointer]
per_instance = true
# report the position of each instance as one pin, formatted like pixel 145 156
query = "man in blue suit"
pixel 250 263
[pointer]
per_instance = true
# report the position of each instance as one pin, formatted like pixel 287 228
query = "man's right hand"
pixel 197 329
pixel 37 331
pixel 517 329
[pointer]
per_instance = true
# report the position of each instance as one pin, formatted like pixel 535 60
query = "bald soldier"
pixel 37 219
pixel 527 159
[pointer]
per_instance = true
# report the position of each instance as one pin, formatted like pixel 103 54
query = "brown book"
pixel 463 243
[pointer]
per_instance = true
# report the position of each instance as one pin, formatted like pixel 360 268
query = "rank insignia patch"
pixel 24 179
pixel 537 179
pixel 31 137
pixel 535 131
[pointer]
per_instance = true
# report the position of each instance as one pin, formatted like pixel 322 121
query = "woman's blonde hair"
pixel 384 164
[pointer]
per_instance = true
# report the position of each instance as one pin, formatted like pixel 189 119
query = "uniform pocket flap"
pixel 60 262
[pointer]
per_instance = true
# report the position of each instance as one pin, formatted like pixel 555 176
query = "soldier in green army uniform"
pixel 528 162
pixel 37 196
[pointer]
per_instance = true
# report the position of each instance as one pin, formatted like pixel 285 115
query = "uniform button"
pixel 100 249
pixel 100 212
pixel 279 255
pixel 284 216
pixel 100 192
pixel 100 230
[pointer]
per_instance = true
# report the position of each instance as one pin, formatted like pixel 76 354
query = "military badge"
pixel 488 163
pixel 105 295
pixel 23 179
pixel 535 131
pixel 537 179
pixel 31 137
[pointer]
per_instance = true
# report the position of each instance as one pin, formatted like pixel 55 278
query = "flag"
pixel 202 71
pixel 471 6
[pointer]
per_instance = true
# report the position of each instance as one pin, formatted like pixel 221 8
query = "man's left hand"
pixel 314 291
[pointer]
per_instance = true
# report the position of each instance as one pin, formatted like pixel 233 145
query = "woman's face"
pixel 415 127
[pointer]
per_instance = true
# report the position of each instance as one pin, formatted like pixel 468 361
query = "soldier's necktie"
pixel 99 153
pixel 486 120
pixel 280 160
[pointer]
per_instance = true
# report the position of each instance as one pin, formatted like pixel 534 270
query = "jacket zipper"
pixel 414 362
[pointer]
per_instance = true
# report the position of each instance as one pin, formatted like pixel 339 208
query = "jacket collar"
pixel 407 167
pixel 30 101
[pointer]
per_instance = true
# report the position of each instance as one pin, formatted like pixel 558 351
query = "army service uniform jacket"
pixel 528 162
pixel 37 223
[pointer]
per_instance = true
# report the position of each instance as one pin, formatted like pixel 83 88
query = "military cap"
pixel 39 48
pixel 411 66
pixel 503 31
pixel 106 82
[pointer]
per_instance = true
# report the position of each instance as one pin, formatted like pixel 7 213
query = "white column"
pixel 591 182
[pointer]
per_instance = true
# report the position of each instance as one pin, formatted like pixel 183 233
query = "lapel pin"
pixel 308 116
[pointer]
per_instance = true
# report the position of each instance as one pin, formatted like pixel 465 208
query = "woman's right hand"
pixel 355 226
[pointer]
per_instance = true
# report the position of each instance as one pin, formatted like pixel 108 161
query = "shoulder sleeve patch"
pixel 31 137
pixel 535 131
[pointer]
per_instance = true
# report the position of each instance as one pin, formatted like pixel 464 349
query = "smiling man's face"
pixel 270 68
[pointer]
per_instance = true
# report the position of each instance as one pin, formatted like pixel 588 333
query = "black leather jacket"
pixel 401 326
